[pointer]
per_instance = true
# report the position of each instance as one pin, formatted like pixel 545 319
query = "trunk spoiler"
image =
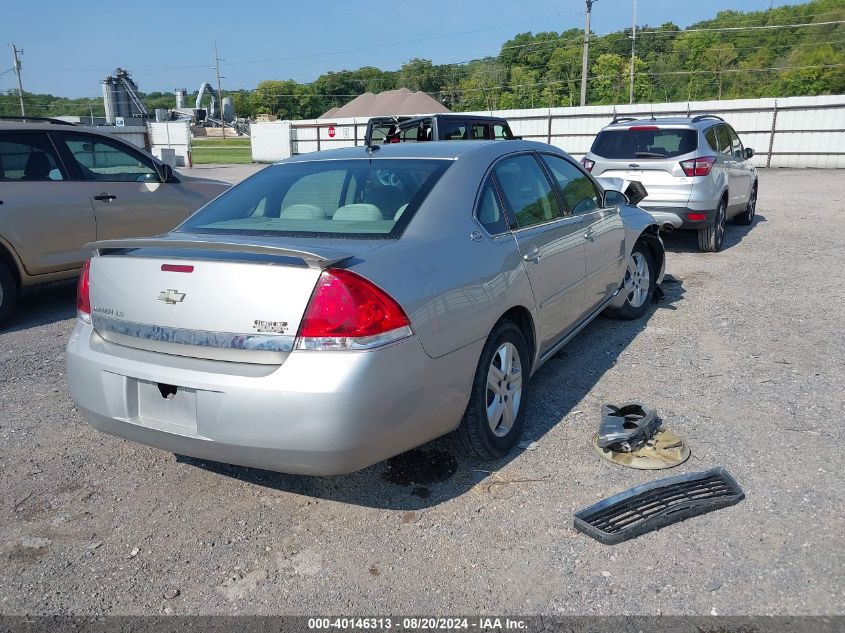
pixel 320 257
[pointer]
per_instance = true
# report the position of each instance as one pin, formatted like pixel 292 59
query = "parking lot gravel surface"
pixel 743 358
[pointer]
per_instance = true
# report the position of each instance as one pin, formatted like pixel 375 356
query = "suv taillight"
pixel 83 294
pixel 698 166
pixel 346 311
pixel 587 163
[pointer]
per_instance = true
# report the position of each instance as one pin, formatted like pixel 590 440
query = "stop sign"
pixel 331 131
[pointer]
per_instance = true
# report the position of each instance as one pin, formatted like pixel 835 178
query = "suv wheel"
pixel 747 217
pixel 710 239
pixel 495 417
pixel 8 293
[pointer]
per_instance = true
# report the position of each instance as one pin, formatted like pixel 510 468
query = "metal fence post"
pixel 549 134
pixel 318 137
pixel 772 137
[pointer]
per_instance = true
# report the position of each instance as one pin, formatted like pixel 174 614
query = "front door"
pixel 551 244
pixel 44 216
pixel 129 199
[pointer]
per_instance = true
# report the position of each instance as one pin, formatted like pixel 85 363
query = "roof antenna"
pixel 688 111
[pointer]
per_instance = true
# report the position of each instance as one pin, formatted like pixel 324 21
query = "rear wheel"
pixel 8 292
pixel 747 217
pixel 710 239
pixel 638 286
pixel 495 417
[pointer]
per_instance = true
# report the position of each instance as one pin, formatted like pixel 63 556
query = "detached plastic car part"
pixel 658 504
pixel 627 427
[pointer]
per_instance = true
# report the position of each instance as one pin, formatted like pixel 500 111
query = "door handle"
pixel 532 256
pixel 105 197
pixel 589 235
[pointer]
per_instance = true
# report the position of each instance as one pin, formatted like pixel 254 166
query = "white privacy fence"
pixel 786 132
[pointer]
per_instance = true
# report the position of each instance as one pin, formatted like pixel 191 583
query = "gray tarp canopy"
pixel 390 102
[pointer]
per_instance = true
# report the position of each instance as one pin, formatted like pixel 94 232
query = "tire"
pixel 8 293
pixel 639 284
pixel 711 239
pixel 747 217
pixel 477 436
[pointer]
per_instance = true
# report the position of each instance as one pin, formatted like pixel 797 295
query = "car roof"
pixel 668 121
pixel 41 126
pixel 430 149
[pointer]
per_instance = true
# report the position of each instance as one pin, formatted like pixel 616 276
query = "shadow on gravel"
pixel 687 241
pixel 433 473
pixel 43 305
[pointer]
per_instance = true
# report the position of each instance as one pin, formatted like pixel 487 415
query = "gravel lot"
pixel 744 358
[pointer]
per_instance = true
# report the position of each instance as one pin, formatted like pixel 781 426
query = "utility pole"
pixel 219 91
pixel 633 49
pixel 17 68
pixel 586 61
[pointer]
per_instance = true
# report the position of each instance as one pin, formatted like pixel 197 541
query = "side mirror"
pixel 635 192
pixel 749 152
pixel 165 172
pixel 614 198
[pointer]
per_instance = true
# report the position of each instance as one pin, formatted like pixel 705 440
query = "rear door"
pixel 129 199
pixel 740 172
pixel 551 244
pixel 46 217
pixel 603 230
pixel 651 155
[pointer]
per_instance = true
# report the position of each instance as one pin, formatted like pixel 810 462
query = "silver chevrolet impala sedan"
pixel 342 307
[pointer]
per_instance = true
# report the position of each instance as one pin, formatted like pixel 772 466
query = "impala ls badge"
pixel 171 296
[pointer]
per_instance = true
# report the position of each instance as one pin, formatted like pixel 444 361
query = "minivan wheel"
pixel 495 416
pixel 747 217
pixel 711 238
pixel 8 293
pixel 638 285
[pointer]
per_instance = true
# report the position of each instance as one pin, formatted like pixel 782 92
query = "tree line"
pixel 703 61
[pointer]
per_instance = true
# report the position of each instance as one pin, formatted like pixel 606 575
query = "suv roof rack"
pixel 620 119
pixel 701 117
pixel 35 119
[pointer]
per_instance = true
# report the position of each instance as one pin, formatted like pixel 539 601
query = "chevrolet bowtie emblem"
pixel 171 296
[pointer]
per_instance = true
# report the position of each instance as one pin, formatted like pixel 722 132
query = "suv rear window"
pixel 633 143
pixel 340 198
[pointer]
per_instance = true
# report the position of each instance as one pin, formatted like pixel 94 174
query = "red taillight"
pixel 698 166
pixel 696 217
pixel 347 311
pixel 587 163
pixel 83 293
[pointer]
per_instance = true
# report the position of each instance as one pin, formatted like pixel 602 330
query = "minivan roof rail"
pixel 35 119
pixel 701 117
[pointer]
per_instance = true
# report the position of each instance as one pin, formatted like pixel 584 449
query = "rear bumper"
pixel 319 413
pixel 679 217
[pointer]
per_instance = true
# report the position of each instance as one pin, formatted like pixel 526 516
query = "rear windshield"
pixel 340 198
pixel 628 143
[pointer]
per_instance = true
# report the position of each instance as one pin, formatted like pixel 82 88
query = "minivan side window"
pixel 579 193
pixel 527 191
pixel 101 159
pixel 28 156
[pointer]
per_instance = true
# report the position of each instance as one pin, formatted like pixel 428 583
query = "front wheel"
pixel 747 217
pixel 638 285
pixel 495 416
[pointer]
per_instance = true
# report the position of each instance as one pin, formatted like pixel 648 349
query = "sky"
pixel 70 46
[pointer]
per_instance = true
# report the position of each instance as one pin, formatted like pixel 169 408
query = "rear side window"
pixel 28 156
pixel 528 192
pixel 579 193
pixel 736 144
pixel 710 135
pixel 454 131
pixel 645 143
pixel 490 212
pixel 480 131
pixel 341 198
pixel 724 139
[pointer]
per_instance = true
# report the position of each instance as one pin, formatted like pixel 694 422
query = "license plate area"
pixel 167 404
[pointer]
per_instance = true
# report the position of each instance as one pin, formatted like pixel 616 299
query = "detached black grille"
pixel 658 504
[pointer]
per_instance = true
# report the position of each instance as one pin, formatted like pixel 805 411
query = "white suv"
pixel 695 170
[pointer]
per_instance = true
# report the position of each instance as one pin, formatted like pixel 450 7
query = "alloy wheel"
pixel 504 389
pixel 637 280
